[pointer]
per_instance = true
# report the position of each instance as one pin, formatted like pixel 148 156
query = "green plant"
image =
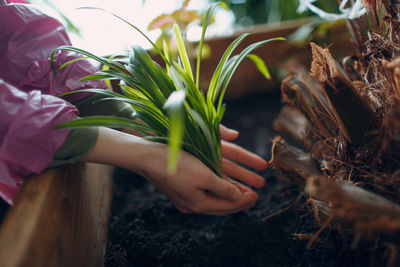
pixel 168 100
pixel 248 12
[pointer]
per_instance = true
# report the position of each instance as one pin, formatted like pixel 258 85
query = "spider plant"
pixel 168 99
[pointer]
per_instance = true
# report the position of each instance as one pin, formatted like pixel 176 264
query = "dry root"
pixel 348 118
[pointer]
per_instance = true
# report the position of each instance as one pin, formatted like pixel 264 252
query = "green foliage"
pixel 168 100
pixel 248 12
pixel 315 29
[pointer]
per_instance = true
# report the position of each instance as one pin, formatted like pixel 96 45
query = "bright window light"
pixel 104 34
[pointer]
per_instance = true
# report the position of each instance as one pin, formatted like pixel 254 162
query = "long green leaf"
pixel 213 87
pixel 98 77
pixel 175 109
pixel 139 105
pixel 104 61
pixel 236 63
pixel 166 53
pixel 190 148
pixel 141 63
pixel 206 21
pixel 148 87
pixel 106 121
pixel 260 64
pixel 182 51
pixel 206 132
pixel 69 62
pixel 95 91
pixel 133 93
pixel 195 98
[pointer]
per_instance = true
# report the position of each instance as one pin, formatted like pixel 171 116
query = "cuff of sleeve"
pixel 93 105
pixel 78 143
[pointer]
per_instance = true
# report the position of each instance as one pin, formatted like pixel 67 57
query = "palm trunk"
pixel 350 125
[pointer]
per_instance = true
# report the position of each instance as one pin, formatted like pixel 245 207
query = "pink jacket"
pixel 28 106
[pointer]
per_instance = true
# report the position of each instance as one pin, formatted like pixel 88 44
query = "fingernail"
pixel 232 131
pixel 252 193
pixel 264 165
pixel 255 195
pixel 236 195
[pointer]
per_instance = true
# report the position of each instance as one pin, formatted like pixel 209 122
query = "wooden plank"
pixel 60 218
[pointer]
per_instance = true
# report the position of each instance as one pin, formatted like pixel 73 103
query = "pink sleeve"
pixel 27 139
pixel 28 107
pixel 27 38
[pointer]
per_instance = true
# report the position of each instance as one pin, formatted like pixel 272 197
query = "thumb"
pixel 223 189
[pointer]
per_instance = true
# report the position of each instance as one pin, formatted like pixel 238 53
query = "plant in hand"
pixel 169 105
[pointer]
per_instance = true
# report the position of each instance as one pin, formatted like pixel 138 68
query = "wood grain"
pixel 60 218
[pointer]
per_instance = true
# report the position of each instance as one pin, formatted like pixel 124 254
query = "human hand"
pixel 193 188
pixel 233 153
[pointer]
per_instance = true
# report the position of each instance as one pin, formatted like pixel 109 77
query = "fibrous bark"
pixel 347 116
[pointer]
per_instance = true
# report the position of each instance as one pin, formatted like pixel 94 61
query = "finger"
pixel 221 188
pixel 242 174
pixel 212 205
pixel 228 134
pixel 241 187
pixel 220 207
pixel 239 154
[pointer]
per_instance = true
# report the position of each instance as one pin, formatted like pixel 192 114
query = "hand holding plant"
pixel 168 100
pixel 193 188
pixel 174 110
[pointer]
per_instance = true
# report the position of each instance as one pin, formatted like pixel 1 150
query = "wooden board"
pixel 60 218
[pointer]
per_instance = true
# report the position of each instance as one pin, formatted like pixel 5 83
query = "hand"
pixel 193 188
pixel 236 153
pixel 233 153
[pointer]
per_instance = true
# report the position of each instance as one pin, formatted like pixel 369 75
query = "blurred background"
pixel 101 33
pixel 105 35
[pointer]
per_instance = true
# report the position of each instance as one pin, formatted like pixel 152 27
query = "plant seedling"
pixel 168 100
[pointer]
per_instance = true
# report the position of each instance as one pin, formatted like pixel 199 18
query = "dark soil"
pixel 147 230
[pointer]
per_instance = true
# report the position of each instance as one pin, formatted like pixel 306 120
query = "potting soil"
pixel 147 230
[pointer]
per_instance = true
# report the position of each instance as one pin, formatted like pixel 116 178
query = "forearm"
pixel 126 151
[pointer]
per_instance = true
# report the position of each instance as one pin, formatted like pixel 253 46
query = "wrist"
pixel 129 152
pixel 147 158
